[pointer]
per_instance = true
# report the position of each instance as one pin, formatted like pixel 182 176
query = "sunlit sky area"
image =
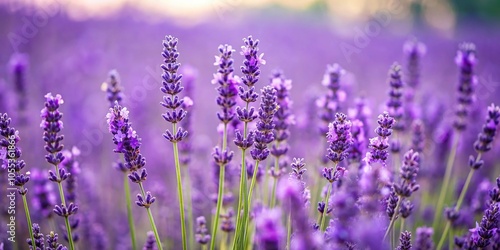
pixel 436 13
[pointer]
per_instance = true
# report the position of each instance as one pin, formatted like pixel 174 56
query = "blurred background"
pixel 68 47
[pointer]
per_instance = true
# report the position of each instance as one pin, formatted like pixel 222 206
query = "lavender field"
pixel 266 125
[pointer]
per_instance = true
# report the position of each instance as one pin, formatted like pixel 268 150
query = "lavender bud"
pixel 202 236
pixel 405 241
pixel 423 240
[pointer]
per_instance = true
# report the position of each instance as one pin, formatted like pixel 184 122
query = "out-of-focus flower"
pixel 269 231
pixel 202 236
pixel 465 60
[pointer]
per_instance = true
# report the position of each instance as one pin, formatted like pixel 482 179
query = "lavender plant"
pixel 246 114
pixel 174 114
pixel 128 143
pixel 52 125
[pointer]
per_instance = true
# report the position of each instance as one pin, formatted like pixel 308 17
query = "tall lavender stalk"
pixel 128 143
pixel 395 109
pixel 174 114
pixel 282 120
pixel 482 145
pixel 251 73
pixel 114 95
pixel 15 165
pixel 52 125
pixel 414 51
pixel 404 189
pixel 465 60
pixel 339 138
pixel 227 84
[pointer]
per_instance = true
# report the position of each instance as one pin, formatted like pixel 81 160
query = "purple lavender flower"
pixel 339 138
pixel 408 174
pixel 227 83
pixel 485 138
pixel 395 103
pixel 269 231
pixel 265 125
pixel 38 236
pixel 414 51
pixel 150 243
pixel 330 102
pixel 251 69
pixel 171 81
pixel 392 202
pixel 227 223
pixel 44 197
pixel 52 125
pixel 355 152
pixel 379 145
pixel 423 240
pixel 405 241
pixel 488 226
pixel 465 60
pixel 113 88
pixel 290 195
pixel 202 236
pixel 52 243
pixel 18 65
pixel 418 136
pixel 283 119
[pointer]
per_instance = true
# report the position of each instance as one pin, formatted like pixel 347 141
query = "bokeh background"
pixel 70 46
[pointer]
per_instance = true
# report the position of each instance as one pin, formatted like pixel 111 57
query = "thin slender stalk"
pixel 179 190
pixel 189 207
pixel 28 219
pixel 446 181
pixel 445 232
pixel 322 221
pixel 151 220
pixel 220 199
pixel 393 219
pixel 240 232
pixel 402 226
pixel 460 201
pixel 252 184
pixel 63 201
pixel 223 242
pixel 130 219
pixel 276 169
pixel 289 230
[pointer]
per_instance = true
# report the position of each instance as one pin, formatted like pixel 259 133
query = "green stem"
pixel 179 190
pixel 220 199
pixel 446 182
pixel 276 169
pixel 189 205
pixel 28 219
pixel 252 184
pixel 63 202
pixel 459 202
pixel 289 230
pixel 131 225
pixel 393 219
pixel 265 187
pixel 445 232
pixel 323 215
pixel 240 233
pixel 151 220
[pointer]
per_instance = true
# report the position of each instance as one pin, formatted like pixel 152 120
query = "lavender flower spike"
pixel 128 143
pixel 405 241
pixel 201 231
pixel 113 88
pixel 465 60
pixel 379 145
pixel 269 231
pixel 423 241
pixel 171 81
pixel 265 125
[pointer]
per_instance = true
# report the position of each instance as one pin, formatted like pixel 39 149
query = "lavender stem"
pixel 446 182
pixel 130 219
